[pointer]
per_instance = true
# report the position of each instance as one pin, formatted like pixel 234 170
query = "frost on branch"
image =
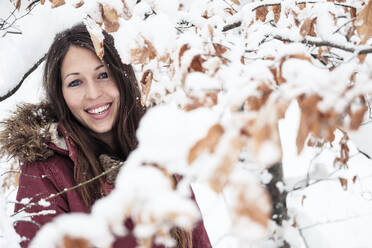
pixel 221 74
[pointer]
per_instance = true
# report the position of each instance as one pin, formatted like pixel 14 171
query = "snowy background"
pixel 324 213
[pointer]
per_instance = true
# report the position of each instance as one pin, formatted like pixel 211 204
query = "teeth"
pixel 99 110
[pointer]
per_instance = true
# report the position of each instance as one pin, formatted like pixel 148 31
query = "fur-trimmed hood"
pixel 29 133
pixel 32 133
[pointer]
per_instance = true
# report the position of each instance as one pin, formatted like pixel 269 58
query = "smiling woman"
pixel 87 124
pixel 90 92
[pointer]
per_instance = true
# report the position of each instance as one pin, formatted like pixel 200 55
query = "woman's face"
pixel 89 90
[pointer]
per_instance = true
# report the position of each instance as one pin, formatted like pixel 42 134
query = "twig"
pixel 231 26
pixel 14 90
pixel 230 5
pixel 334 221
pixel 300 231
pixel 10 171
pixel 52 196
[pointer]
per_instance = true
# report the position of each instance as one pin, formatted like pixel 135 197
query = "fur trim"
pixel 26 134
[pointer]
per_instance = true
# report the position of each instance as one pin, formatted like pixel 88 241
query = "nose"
pixel 92 90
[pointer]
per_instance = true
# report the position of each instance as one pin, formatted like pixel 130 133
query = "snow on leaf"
pixel 98 45
pixel 127 14
pixel 143 54
pixel 208 143
pixel 57 3
pixel 357 117
pixel 110 18
pixel 221 175
pixel 78 4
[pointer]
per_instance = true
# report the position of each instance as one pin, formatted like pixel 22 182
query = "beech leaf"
pixel 208 143
pixel 146 82
pixel 110 18
pixel 364 23
pixel 57 3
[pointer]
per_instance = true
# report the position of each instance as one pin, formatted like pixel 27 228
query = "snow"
pixel 323 213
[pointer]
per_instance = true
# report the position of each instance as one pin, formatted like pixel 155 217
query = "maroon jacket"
pixel 51 171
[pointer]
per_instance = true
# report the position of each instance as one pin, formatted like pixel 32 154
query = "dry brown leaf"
pixel 277 10
pixel 307 27
pixel 364 23
pixel 183 49
pixel 352 12
pixel 70 242
pixel 57 3
pixel 220 177
pixel 343 157
pixel 301 6
pixel 18 4
pixel 303 199
pixel 110 18
pixel 220 49
pixel 236 2
pixel 127 14
pixel 357 117
pixel 208 143
pixel 196 64
pixel 254 102
pixel 210 30
pixel 277 73
pixel 251 210
pixel 309 121
pixel 146 82
pixel 261 13
pixel 98 45
pixel 343 183
pixel 144 54
pixel 355 178
pixel 230 11
pixel 11 179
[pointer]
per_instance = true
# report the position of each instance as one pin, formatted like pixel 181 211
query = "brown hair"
pixel 88 146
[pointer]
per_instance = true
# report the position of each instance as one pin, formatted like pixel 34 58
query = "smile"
pixel 99 110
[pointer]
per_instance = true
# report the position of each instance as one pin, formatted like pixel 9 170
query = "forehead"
pixel 79 59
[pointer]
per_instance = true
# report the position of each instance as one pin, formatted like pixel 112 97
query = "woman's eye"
pixel 103 75
pixel 74 83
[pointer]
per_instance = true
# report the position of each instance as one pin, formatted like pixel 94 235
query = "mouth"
pixel 99 111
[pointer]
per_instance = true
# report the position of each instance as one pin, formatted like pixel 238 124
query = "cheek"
pixel 71 100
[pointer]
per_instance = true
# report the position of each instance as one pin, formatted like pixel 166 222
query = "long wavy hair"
pixel 88 146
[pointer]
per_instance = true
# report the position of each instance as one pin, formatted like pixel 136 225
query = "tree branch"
pixel 52 196
pixel 14 90
pixel 268 4
pixel 357 50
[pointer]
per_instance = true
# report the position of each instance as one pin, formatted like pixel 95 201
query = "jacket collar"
pixel 32 133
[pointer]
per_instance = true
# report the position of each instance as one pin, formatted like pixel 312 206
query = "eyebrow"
pixel 77 73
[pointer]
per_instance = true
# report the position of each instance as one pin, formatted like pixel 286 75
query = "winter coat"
pixel 32 136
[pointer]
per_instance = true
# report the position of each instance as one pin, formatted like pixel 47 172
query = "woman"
pixel 87 124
